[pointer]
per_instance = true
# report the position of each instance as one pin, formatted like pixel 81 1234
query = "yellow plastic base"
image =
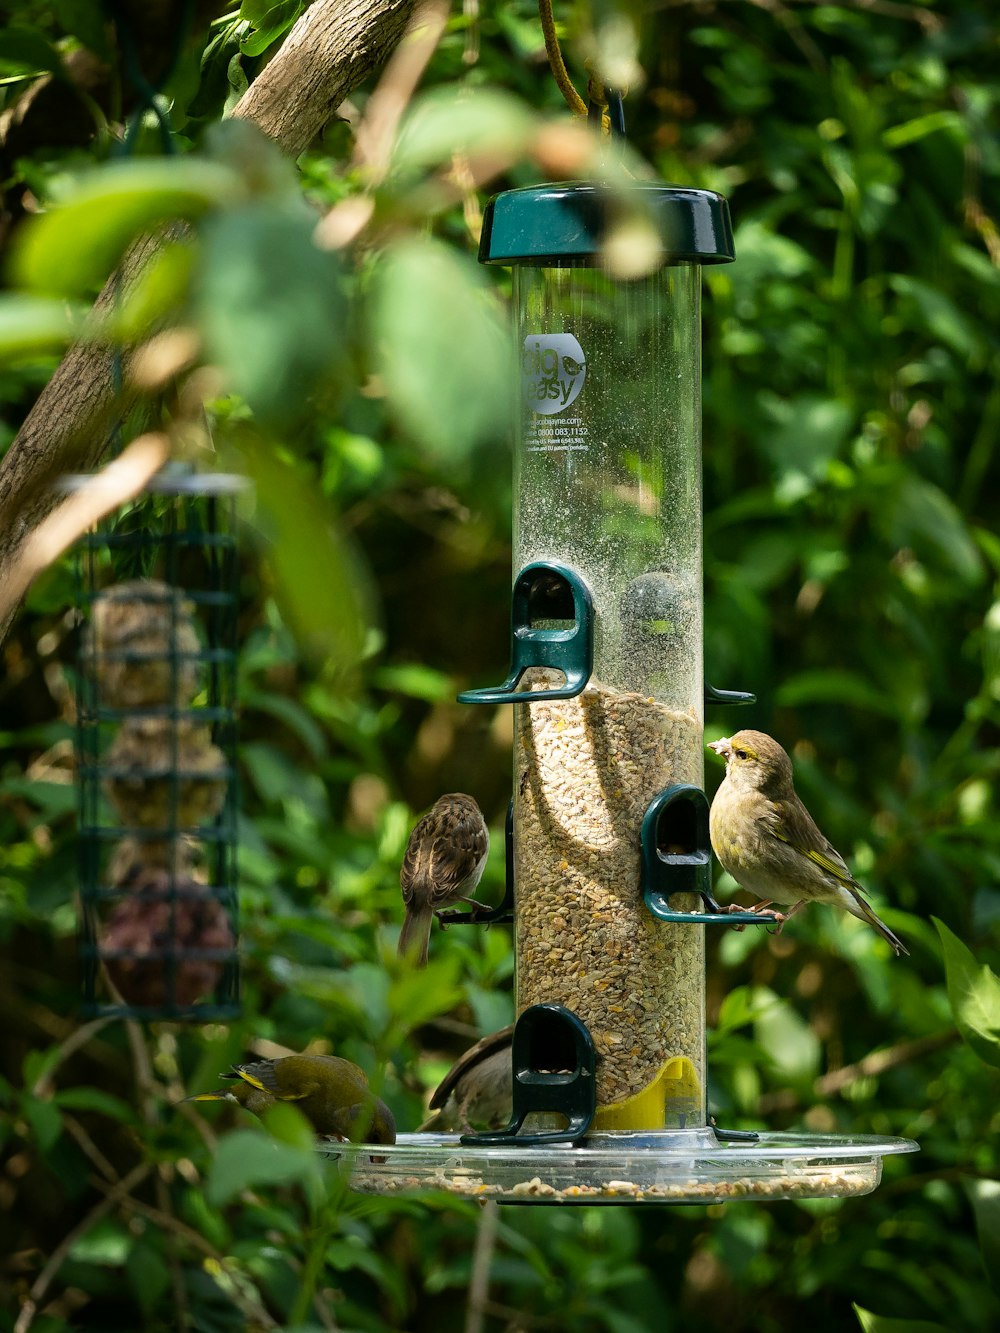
pixel 677 1081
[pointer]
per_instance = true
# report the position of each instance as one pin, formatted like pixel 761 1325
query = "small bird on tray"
pixel 332 1093
pixel 478 1090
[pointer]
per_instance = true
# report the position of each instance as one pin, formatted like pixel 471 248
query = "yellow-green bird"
pixel 333 1094
pixel 766 839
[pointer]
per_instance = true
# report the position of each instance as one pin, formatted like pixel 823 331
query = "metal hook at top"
pixel 614 107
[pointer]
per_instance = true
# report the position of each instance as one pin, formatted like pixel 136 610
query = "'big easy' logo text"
pixel 553 369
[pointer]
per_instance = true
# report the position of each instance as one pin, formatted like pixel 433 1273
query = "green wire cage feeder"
pixel 156 753
pixel 608 850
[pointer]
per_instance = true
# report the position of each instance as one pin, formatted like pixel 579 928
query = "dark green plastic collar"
pixel 552 225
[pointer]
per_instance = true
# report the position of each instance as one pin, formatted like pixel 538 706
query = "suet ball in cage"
pixel 156 734
pixel 141 645
pixel 164 773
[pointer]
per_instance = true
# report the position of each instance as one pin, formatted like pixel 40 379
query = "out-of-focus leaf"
pixel 943 317
pixel 415 680
pixel 272 308
pixel 876 1323
pixel 95 1099
pixel 323 585
pixel 444 356
pixel 920 126
pixel 31 326
pixel 86 21
pixel 45 1121
pixel 833 686
pixel 107 1243
pixel 26 51
pixel 974 994
pixel 785 1036
pixel 470 121
pixel 416 996
pixel 247 1157
pixel 807 433
pixel 147 1272
pixel 288 1125
pixel 75 245
pixel 291 713
pixel 742 1005
pixel 985 1198
pixel 918 514
pixel 158 291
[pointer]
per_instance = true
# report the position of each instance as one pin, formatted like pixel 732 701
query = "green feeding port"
pixel 552 630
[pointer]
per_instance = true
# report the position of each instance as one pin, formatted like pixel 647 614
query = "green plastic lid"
pixel 553 225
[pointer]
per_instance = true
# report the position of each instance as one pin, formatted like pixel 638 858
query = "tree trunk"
pixel 332 49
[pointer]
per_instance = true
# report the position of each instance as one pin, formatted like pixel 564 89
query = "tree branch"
pixel 332 49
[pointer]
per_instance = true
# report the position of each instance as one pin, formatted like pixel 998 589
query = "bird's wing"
pixel 482 1050
pixel 828 859
pixel 261 1075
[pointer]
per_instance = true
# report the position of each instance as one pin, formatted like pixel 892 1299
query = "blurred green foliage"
pixel 852 565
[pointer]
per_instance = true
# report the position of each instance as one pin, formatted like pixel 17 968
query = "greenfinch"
pixel 333 1094
pixel 442 864
pixel 766 839
pixel 478 1090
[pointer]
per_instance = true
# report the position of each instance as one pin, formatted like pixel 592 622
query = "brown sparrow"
pixel 443 863
pixel 477 1090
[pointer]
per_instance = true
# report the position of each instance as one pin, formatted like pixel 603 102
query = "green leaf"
pixel 270 22
pixel 31 326
pixel 985 1198
pixel 446 121
pixel 918 514
pixel 920 126
pixel 95 1099
pixel 75 245
pixel 876 1323
pixel 324 587
pixel 417 996
pixel 45 1121
pixel 974 995
pixel 830 685
pixel 248 1158
pixel 25 51
pixel 943 318
pixel 785 1035
pixel 272 308
pixel 147 1273
pixel 415 681
pixel 293 716
pixel 86 21
pixel 158 291
pixel 107 1244
pixel 443 353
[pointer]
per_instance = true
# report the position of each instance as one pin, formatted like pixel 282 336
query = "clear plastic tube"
pixel 608 482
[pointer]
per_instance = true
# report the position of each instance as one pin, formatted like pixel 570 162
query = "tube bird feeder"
pixel 608 848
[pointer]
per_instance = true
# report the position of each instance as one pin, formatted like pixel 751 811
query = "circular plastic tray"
pixel 686 1166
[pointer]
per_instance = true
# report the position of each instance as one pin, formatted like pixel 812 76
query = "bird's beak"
pixel 723 747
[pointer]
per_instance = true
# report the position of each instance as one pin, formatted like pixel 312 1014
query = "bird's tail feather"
pixel 864 912
pixel 414 936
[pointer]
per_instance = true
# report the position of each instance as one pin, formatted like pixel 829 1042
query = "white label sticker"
pixel 553 370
